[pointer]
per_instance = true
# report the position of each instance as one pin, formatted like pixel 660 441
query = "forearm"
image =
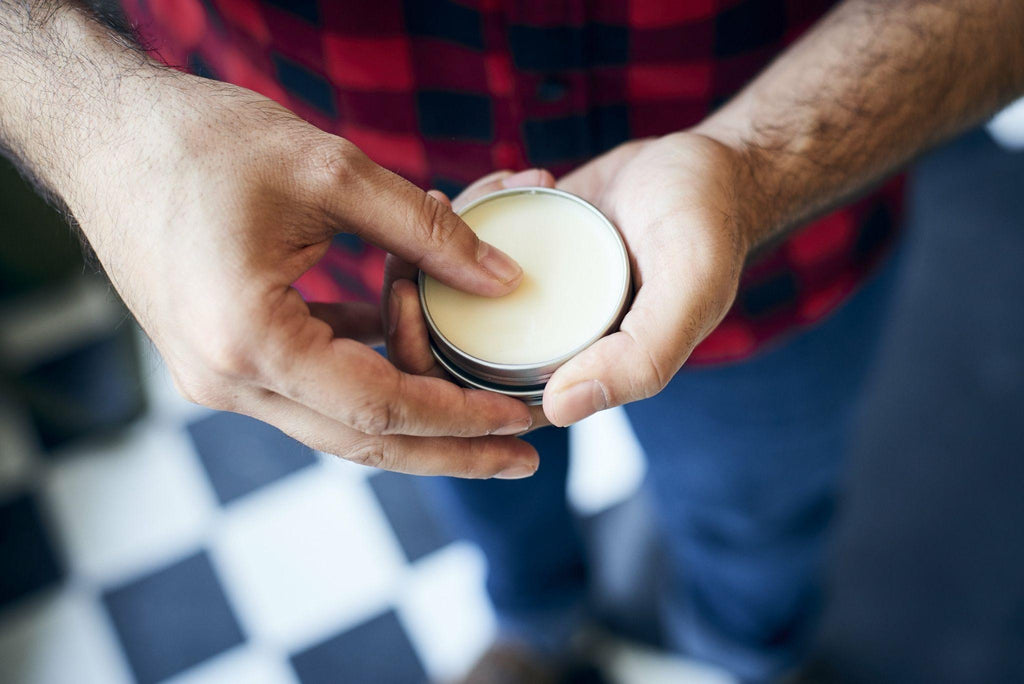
pixel 70 88
pixel 875 83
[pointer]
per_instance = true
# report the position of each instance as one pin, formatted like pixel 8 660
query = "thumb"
pixel 392 213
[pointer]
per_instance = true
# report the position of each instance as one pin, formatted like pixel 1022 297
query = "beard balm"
pixel 575 287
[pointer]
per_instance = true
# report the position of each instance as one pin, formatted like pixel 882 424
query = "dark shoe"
pixel 506 663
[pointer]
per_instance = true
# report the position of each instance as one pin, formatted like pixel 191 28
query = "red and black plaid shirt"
pixel 445 91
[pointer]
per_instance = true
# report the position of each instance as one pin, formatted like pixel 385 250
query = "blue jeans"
pixel 744 463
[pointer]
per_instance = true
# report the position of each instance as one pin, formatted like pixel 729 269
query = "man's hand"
pixel 228 211
pixel 676 202
pixel 206 203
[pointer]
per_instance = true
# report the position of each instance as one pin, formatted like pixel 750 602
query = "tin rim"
pixel 531 395
pixel 514 371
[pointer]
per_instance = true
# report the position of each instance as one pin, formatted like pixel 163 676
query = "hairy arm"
pixel 873 84
pixel 70 87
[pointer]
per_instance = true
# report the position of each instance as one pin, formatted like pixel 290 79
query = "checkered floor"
pixel 208 547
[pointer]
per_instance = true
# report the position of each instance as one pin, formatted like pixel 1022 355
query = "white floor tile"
pixel 248 665
pixel 446 612
pixel 606 463
pixel 64 637
pixel 305 558
pixel 127 505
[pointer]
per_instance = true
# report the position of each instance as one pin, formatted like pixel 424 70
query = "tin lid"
pixel 525 375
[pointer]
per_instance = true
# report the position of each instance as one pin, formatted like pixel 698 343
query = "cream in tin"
pixel 575 288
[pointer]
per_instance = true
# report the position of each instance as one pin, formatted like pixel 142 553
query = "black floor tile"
pixel 28 561
pixel 415 525
pixel 93 388
pixel 241 454
pixel 376 651
pixel 173 618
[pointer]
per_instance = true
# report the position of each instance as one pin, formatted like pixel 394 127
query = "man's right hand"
pixel 205 202
pixel 204 224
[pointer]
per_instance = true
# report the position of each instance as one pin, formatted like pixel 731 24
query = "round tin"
pixel 523 381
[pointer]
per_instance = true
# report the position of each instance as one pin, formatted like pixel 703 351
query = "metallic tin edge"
pixel 532 396
pixel 613 322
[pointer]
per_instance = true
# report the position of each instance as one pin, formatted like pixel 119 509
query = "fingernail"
pixel 394 308
pixel 514 428
pixel 517 471
pixel 579 401
pixel 527 177
pixel 498 264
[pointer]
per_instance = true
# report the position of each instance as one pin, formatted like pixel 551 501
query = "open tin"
pixel 525 381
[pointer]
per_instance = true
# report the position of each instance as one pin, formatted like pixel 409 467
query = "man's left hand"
pixel 678 203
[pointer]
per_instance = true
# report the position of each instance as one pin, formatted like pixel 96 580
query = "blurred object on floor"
pixel 1007 127
pixel 601 656
pixel 627 569
pixel 628 662
pixel 927 576
pixel 506 663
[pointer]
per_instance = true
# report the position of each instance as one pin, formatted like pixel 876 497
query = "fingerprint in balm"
pixel 575 280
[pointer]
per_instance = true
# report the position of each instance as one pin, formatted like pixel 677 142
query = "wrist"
pixel 758 199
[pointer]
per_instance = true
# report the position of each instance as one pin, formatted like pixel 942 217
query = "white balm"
pixel 574 289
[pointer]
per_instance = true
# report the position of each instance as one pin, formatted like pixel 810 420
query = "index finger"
pixel 392 213
pixel 395 268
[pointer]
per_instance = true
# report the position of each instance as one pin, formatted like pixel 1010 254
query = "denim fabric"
pixel 744 463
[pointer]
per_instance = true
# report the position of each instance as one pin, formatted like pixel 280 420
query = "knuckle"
pixel 374 418
pixel 203 391
pixel 334 162
pixel 652 378
pixel 435 223
pixel 370 454
pixel 649 377
pixel 377 414
pixel 469 467
pixel 230 356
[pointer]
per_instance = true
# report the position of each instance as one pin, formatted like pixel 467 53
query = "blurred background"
pixel 146 539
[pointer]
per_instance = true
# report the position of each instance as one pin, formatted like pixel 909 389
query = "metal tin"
pixel 523 381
